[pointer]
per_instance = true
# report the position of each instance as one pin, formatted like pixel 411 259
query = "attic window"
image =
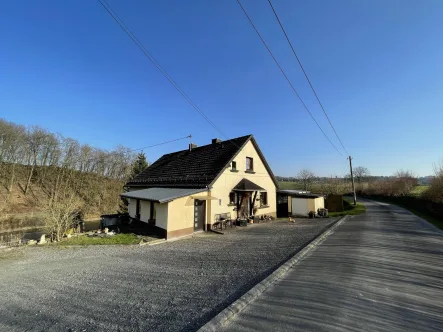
pixel 249 164
pixel 234 166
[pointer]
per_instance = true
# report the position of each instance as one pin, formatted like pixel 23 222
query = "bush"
pixel 435 191
pixel 401 184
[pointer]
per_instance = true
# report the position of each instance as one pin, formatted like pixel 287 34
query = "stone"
pixel 42 239
pixel 68 236
pixel 106 230
pixel 32 242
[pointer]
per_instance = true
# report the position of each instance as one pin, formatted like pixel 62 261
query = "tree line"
pixel 42 151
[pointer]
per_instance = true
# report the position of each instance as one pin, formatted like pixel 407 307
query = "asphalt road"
pixel 174 286
pixel 382 271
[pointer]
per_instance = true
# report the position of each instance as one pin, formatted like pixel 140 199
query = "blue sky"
pixel 377 67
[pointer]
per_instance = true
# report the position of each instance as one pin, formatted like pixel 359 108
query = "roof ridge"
pixel 210 144
pixel 198 167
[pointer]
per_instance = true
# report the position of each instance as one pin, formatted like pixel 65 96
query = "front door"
pixel 199 215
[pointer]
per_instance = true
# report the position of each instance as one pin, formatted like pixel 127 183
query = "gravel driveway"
pixel 175 286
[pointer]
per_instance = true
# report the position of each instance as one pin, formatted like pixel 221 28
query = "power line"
pixel 156 64
pixel 138 149
pixel 306 75
pixel 151 146
pixel 284 74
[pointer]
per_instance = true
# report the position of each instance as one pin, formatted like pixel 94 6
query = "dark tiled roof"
pixel 246 185
pixel 190 169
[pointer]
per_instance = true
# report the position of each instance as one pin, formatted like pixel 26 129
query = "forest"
pixel 40 170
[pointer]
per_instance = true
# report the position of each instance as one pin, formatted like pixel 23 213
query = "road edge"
pixel 237 306
pixel 423 220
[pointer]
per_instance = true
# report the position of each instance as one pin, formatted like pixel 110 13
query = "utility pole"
pixel 352 178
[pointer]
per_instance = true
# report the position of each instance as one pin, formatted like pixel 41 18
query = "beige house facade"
pixel 187 191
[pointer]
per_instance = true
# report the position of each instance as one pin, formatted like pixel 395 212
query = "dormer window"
pixel 249 164
pixel 234 166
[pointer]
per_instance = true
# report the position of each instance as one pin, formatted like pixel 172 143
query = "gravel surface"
pixel 174 286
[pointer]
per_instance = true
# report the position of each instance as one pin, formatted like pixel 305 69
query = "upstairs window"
pixel 263 198
pixel 249 164
pixel 234 166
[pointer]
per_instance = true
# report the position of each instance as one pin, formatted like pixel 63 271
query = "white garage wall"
pixel 132 207
pixel 300 206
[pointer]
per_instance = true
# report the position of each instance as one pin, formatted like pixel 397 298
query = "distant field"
pixel 418 190
pixel 289 185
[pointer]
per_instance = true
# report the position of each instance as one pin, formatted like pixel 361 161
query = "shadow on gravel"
pixel 175 286
pixel 245 288
pixel 377 272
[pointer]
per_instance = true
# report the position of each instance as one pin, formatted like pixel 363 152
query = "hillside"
pixel 97 194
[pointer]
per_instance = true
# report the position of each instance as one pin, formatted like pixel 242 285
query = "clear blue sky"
pixel 377 67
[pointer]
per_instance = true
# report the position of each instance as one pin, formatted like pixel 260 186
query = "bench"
pixel 222 220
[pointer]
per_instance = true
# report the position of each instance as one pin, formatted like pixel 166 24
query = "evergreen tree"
pixel 139 164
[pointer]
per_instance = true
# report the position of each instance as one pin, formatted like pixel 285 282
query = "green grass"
pixel 425 216
pixel 418 190
pixel 289 185
pixel 85 240
pixel 349 209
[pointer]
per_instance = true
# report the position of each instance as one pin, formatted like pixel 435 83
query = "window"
pixel 232 197
pixel 263 199
pixel 249 164
pixel 234 166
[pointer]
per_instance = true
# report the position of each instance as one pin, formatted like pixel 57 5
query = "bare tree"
pixel 402 184
pixel 59 167
pixel 361 173
pixel 306 177
pixel 60 215
pixel 34 143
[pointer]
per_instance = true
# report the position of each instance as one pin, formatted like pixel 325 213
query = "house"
pixel 183 192
pixel 298 203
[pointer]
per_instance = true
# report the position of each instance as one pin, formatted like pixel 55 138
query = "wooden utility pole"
pixel 352 178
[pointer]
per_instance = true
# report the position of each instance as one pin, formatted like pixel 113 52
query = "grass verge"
pixel 85 240
pixel 349 209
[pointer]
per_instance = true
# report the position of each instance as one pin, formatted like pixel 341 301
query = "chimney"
pixel 216 140
pixel 192 146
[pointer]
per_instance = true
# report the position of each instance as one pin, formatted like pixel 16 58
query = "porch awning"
pixel 161 195
pixel 247 185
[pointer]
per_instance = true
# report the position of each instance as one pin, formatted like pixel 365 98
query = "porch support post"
pixel 253 202
pixel 238 202
pixel 208 212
